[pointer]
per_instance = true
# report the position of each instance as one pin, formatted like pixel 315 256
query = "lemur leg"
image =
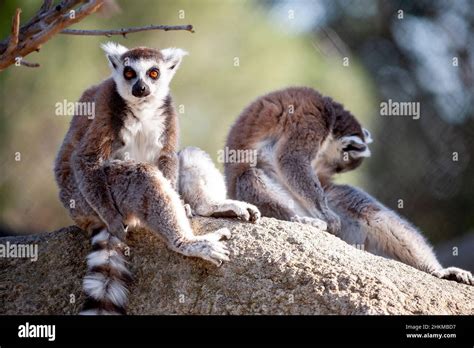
pixel 273 200
pixel 202 186
pixel 294 156
pixel 141 192
pixel 381 231
pixel 250 187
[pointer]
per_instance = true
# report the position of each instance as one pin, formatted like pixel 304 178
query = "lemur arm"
pixel 167 161
pixel 87 162
pixel 168 164
pixel 294 155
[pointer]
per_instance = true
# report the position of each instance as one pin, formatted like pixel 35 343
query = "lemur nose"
pixel 140 89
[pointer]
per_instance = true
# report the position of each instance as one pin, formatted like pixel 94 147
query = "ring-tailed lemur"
pixel 302 139
pixel 119 168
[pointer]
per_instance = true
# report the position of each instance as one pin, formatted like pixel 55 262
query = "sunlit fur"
pixel 299 152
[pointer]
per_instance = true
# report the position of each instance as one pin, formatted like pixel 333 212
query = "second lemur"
pixel 302 139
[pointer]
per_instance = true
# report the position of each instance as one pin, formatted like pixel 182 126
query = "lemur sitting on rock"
pixel 119 169
pixel 302 139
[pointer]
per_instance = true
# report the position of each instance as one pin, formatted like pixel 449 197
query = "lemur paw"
pixel 457 274
pixel 333 221
pixel 245 211
pixel 254 213
pixel 189 211
pixel 209 247
pixel 319 224
pixel 238 209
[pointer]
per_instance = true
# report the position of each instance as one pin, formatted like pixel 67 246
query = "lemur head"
pixel 142 74
pixel 354 149
pixel 351 138
pixel 348 145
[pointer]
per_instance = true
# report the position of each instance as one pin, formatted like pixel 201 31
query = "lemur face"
pixel 142 74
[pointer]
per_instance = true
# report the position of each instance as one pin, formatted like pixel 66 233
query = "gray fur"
pixel 298 155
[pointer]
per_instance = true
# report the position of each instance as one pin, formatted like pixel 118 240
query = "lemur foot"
pixel 238 209
pixel 209 247
pixel 247 211
pixel 457 274
pixel 320 224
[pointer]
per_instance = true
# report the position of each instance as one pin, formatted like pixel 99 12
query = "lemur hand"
pixel 333 221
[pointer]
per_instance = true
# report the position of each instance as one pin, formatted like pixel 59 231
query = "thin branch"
pixel 125 31
pixel 28 64
pixel 13 42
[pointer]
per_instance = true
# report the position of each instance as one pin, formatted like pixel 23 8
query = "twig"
pixel 28 64
pixel 13 42
pixel 125 31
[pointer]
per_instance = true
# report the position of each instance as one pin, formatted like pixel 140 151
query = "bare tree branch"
pixel 51 20
pixel 45 25
pixel 125 31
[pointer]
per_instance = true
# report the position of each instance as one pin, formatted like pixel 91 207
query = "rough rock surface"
pixel 276 267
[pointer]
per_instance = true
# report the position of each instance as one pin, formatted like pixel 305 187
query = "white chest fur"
pixel 142 136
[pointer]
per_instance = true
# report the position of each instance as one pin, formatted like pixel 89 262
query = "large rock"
pixel 276 268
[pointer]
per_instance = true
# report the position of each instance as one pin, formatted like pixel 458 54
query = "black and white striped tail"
pixel 107 278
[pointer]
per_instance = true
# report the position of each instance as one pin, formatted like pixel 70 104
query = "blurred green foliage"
pixel 212 90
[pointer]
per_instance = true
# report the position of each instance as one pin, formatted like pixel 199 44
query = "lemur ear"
pixel 114 51
pixel 367 136
pixel 172 57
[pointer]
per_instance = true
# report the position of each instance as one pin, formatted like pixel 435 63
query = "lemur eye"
pixel 154 73
pixel 129 73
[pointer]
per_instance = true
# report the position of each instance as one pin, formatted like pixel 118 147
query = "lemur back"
pixel 290 131
pixel 302 139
